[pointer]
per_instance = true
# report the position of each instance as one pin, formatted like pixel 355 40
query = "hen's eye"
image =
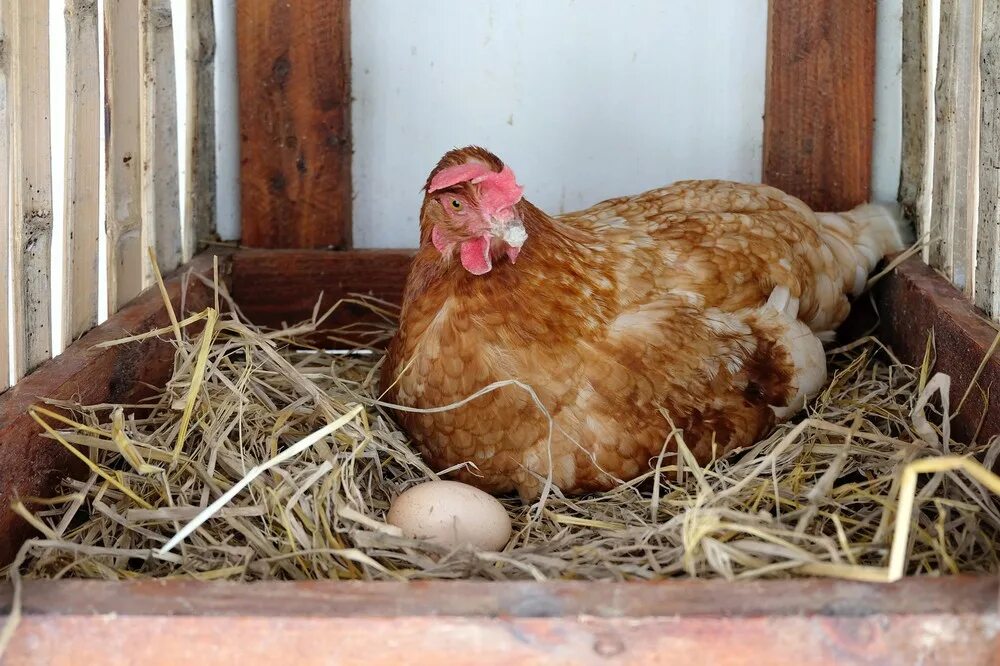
pixel 456 204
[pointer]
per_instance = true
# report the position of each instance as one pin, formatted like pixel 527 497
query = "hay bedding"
pixel 263 458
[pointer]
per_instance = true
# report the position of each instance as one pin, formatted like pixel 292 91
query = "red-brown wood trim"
pixel 33 466
pixel 294 65
pixel 820 100
pixel 926 620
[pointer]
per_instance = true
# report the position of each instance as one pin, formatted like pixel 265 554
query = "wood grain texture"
pixel 83 169
pixel 31 189
pixel 915 301
pixel 916 184
pixel 199 222
pixel 987 286
pixel 295 112
pixel 819 105
pixel 5 165
pixel 161 213
pixel 956 98
pixel 33 466
pixel 948 620
pixel 128 263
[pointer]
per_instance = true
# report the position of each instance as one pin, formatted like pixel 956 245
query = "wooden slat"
pixel 83 168
pixel 819 108
pixel 956 138
pixel 199 222
pixel 916 621
pixel 5 165
pixel 128 270
pixel 31 175
pixel 918 115
pixel 988 242
pixel 161 212
pixel 295 110
pixel 31 466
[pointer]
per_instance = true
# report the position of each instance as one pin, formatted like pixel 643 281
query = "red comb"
pixel 457 174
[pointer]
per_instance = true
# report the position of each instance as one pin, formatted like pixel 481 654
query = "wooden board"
pixel 988 244
pixel 917 76
pixel 5 164
pixel 295 112
pixel 199 217
pixel 31 465
pixel 929 620
pixel 819 105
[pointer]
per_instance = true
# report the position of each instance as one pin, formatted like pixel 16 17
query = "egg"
pixel 451 514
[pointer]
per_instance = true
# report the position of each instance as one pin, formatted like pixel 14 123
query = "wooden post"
pixel 987 286
pixel 956 163
pixel 295 111
pixel 127 257
pixel 918 116
pixel 819 108
pixel 199 222
pixel 158 126
pixel 83 168
pixel 5 165
pixel 31 185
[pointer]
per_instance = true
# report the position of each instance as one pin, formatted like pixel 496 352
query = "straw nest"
pixel 262 458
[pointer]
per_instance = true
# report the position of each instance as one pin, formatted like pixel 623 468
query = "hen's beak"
pixel 511 231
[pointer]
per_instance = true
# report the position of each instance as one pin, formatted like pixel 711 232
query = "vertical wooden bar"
pixel 127 262
pixel 199 220
pixel 5 165
pixel 820 100
pixel 158 126
pixel 918 115
pixel 83 166
pixel 31 185
pixel 295 123
pixel 956 162
pixel 988 242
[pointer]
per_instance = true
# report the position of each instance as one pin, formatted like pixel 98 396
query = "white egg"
pixel 451 514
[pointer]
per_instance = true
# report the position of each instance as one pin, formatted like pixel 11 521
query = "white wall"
pixel 584 99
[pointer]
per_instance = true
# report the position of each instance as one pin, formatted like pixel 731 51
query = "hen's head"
pixel 472 209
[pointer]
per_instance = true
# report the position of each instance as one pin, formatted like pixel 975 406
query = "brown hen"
pixel 700 306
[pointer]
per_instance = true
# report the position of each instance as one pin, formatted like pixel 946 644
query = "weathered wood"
pixel 295 111
pixel 31 177
pixel 83 168
pixel 916 183
pixel 199 216
pixel 31 466
pixel 5 165
pixel 161 212
pixel 988 241
pixel 953 218
pixel 819 103
pixel 947 620
pixel 275 286
pixel 914 301
pixel 128 269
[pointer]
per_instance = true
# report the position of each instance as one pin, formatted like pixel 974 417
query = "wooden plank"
pixel 83 169
pixel 199 216
pixel 915 301
pixel 988 242
pixel 161 213
pixel 947 620
pixel 295 113
pixel 5 165
pixel 956 160
pixel 916 181
pixel 820 101
pixel 31 466
pixel 31 177
pixel 275 286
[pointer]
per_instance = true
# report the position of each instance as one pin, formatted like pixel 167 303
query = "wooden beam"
pixel 988 244
pixel 199 216
pixel 915 184
pixel 83 170
pixel 5 166
pixel 31 466
pixel 31 177
pixel 919 620
pixel 295 123
pixel 819 108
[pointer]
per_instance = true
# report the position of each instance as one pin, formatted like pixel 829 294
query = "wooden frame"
pixel 927 619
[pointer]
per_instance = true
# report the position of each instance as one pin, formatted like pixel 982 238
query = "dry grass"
pixel 263 460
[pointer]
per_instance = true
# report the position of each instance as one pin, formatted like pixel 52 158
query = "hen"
pixel 700 306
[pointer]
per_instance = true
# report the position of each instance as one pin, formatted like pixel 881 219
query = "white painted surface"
pixel 888 139
pixel 584 99
pixel 227 126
